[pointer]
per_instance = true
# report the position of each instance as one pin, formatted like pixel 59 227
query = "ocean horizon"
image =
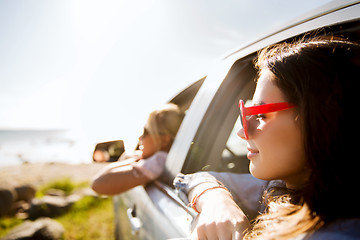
pixel 18 146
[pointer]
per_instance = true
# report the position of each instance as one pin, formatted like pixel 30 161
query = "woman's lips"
pixel 252 153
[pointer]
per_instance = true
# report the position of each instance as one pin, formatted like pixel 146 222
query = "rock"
pixel 25 192
pixel 7 197
pixel 41 229
pixel 48 206
pixel 74 198
pixel 88 192
pixel 55 192
pixel 13 199
pixel 19 209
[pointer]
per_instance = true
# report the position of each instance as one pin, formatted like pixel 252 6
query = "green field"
pixel 89 218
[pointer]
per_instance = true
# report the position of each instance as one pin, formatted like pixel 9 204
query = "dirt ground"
pixel 40 173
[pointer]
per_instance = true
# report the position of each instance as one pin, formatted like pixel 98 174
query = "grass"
pixel 7 223
pixel 64 184
pixel 89 218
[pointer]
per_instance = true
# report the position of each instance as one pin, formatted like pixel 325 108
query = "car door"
pixel 207 137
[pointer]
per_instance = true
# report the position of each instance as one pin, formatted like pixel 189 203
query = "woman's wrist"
pixel 209 193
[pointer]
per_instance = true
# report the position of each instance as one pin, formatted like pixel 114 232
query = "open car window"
pixel 210 150
pixel 186 96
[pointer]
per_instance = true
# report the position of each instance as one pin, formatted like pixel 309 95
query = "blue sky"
pixel 99 67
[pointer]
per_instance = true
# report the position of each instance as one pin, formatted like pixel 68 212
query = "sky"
pixel 98 68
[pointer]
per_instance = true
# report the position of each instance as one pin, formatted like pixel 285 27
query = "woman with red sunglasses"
pixel 300 135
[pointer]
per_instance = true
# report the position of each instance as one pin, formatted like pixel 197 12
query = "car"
pixel 207 137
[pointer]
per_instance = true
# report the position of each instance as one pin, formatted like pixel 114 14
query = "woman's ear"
pixel 166 142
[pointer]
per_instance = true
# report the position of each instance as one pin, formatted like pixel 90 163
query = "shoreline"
pixel 38 174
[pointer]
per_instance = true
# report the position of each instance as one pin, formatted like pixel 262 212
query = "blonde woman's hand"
pixel 134 155
pixel 219 218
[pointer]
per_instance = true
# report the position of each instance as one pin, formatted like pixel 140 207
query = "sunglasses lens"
pixel 243 118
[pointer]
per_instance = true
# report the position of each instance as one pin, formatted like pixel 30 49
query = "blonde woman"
pixel 147 163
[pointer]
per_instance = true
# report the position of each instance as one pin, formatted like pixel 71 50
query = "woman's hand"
pixel 135 155
pixel 219 218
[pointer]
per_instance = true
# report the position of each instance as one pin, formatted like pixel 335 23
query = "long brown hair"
pixel 320 76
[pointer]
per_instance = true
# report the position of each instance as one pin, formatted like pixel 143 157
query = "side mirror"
pixel 108 151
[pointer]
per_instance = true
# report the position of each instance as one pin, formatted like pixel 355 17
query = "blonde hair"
pixel 164 121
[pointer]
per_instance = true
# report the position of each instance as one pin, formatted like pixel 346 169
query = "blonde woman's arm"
pixel 121 176
pixel 118 177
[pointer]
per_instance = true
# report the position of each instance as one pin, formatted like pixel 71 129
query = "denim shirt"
pixel 341 229
pixel 246 190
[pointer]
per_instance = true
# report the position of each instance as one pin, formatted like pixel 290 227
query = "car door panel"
pixel 156 210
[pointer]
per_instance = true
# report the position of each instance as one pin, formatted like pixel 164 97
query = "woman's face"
pixel 275 143
pixel 147 145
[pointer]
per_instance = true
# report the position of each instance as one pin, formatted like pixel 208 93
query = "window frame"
pixel 218 122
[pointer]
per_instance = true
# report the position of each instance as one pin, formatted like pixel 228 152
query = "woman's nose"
pixel 241 133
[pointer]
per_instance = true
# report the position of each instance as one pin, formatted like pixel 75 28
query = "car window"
pixel 186 96
pixel 234 154
pixel 212 148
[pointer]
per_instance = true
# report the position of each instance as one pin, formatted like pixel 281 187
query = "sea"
pixel 33 146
